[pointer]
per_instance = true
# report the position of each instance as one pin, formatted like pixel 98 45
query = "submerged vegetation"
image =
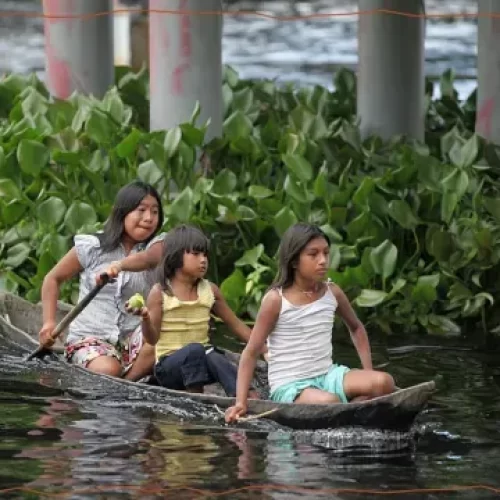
pixel 414 227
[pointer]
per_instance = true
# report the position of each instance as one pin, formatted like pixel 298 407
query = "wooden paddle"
pixel 64 323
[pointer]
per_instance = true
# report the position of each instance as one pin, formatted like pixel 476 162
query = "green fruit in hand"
pixel 136 301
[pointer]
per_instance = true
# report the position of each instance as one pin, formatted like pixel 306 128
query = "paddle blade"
pixel 39 352
pixel 43 351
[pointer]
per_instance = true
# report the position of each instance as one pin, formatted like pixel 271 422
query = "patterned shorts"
pixel 125 350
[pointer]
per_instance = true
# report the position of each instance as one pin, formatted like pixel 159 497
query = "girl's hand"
pixel 113 270
pixel 45 334
pixel 143 312
pixel 233 413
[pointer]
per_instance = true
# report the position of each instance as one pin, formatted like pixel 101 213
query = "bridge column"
pixel 79 51
pixel 122 27
pixel 488 71
pixel 391 74
pixel 185 52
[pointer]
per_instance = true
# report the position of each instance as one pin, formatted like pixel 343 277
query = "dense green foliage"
pixel 414 226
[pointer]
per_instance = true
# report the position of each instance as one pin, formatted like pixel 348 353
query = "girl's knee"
pixel 195 351
pixel 383 383
pixel 106 365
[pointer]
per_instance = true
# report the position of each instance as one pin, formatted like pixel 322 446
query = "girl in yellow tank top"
pixel 176 318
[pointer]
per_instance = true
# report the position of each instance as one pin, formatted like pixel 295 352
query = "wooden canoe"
pixel 20 322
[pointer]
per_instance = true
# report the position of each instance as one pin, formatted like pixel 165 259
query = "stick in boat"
pixel 250 417
pixel 64 323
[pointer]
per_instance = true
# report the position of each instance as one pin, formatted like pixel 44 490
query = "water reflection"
pixel 53 442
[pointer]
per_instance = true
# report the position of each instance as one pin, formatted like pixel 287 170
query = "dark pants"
pixel 192 367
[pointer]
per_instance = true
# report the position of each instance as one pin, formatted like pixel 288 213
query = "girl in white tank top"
pixel 296 319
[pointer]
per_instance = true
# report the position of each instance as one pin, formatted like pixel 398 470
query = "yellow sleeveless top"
pixel 185 322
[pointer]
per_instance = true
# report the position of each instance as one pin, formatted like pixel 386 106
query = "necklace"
pixel 308 293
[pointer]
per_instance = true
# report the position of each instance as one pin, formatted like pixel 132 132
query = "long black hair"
pixel 180 239
pixel 128 199
pixel 295 239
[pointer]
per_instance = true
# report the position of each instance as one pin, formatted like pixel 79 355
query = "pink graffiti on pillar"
pixel 185 50
pixel 154 29
pixel 485 118
pixel 58 69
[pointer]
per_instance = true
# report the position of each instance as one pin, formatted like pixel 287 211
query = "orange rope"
pixel 262 488
pixel 438 15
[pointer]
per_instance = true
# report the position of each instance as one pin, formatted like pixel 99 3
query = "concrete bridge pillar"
pixel 488 71
pixel 79 51
pixel 391 75
pixel 185 61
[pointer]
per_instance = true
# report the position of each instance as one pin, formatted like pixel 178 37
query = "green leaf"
pixel 332 233
pixel 17 255
pixel 32 156
pixel 251 257
pixel 370 298
pixel 284 219
pixel 358 226
pixel 51 211
pixel 243 99
pixel 99 127
pixel 79 214
pixel 295 190
pixel 193 136
pixel 99 162
pixel 492 205
pixel 245 213
pixel 291 144
pixel 402 213
pixel 195 114
pixel 128 146
pixel 182 206
pixel 9 191
pixel 298 166
pixel 58 246
pixel 259 192
pixel 457 182
pixel 449 203
pixel 443 326
pixel 225 182
pixel 361 196
pixel 469 152
pixel 383 259
pixel 172 140
pixel 397 286
pixel 237 125
pixel 13 212
pixel 233 288
pixel 113 104
pixel 321 184
pixel 351 135
pixel 425 289
pixel 149 172
pixel 439 244
pixel 230 76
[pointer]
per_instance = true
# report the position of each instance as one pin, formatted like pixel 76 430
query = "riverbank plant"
pixel 414 227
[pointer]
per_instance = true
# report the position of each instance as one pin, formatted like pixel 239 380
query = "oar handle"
pixel 65 322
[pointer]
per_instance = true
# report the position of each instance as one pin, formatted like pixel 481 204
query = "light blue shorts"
pixel 332 382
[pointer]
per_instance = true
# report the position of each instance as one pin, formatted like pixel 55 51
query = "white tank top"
pixel 300 346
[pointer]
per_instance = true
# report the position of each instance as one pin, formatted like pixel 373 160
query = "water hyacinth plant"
pixel 414 227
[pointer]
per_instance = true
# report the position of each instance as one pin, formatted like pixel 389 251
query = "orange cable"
pixel 250 13
pixel 294 489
